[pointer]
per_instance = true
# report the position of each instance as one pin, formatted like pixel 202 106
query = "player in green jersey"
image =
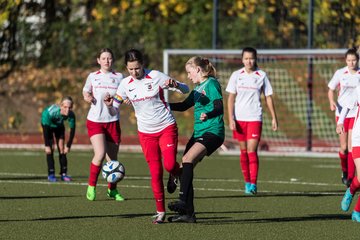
pixel 208 131
pixel 52 122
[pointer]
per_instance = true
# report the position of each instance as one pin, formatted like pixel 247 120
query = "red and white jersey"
pixel 355 138
pixel 98 84
pixel 346 82
pixel 248 88
pixel 147 97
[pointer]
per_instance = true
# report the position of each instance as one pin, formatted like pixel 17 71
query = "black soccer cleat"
pixel 183 218
pixel 178 206
pixel 171 184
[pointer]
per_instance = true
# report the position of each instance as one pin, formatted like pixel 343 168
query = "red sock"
pixel 244 163
pixel 112 186
pixel 354 186
pixel 94 173
pixel 343 161
pixel 351 166
pixel 253 166
pixel 357 206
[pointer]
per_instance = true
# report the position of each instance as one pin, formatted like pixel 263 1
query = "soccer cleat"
pixel 253 189
pixel 91 193
pixel 184 218
pixel 346 201
pixel 355 216
pixel 172 183
pixel 177 206
pixel 114 193
pixel 159 218
pixel 52 178
pixel 65 178
pixel 247 188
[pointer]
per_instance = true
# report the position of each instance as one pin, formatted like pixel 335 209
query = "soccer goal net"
pixel 299 79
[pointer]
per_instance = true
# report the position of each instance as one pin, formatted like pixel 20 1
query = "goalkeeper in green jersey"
pixel 52 123
pixel 208 131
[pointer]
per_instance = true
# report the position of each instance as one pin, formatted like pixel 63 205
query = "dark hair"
pixel 352 51
pixel 207 69
pixel 250 50
pixel 106 50
pixel 133 55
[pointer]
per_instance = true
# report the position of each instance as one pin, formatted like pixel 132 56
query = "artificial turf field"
pixel 298 198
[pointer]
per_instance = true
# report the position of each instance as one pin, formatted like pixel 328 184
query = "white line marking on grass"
pixel 197 180
pixel 327 166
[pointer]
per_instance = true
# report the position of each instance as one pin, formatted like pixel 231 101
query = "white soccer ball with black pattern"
pixel 113 171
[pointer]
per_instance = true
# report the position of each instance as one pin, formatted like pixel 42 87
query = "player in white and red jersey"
pixel 157 129
pixel 245 87
pixel 345 80
pixel 103 127
pixel 355 141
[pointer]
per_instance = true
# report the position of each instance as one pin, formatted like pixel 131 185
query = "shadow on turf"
pixel 298 194
pixel 79 217
pixel 320 217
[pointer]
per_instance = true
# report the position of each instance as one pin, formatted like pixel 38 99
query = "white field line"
pixel 291 182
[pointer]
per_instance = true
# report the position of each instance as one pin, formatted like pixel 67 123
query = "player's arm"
pixel 88 97
pixel 230 106
pixel 177 86
pixel 332 102
pixel 217 110
pixel 184 105
pixel 72 125
pixel 270 105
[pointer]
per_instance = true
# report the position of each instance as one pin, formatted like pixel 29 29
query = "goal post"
pixel 299 78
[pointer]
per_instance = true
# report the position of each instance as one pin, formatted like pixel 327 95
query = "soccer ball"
pixel 113 171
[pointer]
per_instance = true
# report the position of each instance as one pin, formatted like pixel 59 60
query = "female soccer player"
pixel 52 123
pixel 208 131
pixel 157 129
pixel 103 127
pixel 348 105
pixel 245 87
pixel 346 81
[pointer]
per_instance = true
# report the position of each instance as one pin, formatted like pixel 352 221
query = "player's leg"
pixel 343 152
pixel 60 142
pixel 168 144
pixel 150 147
pixel 350 160
pixel 240 135
pixel 113 139
pixel 253 138
pixel 355 184
pixel 48 140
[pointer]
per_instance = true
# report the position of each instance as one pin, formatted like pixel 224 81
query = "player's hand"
pixel 171 83
pixel 232 125
pixel 340 129
pixel 203 117
pixel 108 99
pixel 66 150
pixel 89 98
pixel 127 101
pixel 332 106
pixel 274 124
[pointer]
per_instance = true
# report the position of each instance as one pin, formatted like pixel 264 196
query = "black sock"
pixel 190 201
pixel 186 181
pixel 63 163
pixel 50 163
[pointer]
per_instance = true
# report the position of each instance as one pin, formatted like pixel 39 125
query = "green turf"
pixel 299 198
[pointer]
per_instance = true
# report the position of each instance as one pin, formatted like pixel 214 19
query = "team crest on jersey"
pixel 149 86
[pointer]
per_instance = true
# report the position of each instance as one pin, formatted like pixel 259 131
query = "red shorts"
pixel 355 152
pixel 111 130
pixel 348 123
pixel 247 130
pixel 156 144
